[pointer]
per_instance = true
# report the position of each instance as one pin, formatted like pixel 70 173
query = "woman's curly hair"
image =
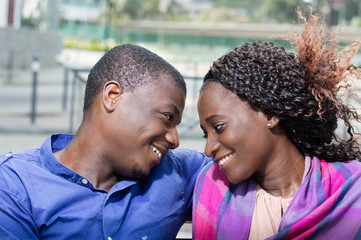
pixel 302 91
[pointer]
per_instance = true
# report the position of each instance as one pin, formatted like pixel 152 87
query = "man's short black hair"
pixel 131 66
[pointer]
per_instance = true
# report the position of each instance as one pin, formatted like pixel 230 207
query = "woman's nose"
pixel 211 147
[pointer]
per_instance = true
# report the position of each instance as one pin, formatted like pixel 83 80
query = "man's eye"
pixel 169 116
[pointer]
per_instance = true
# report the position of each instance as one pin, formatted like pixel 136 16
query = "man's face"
pixel 142 128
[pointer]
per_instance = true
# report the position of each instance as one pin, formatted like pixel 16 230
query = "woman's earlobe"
pixel 272 121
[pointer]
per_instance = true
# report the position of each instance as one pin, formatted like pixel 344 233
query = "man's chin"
pixel 139 174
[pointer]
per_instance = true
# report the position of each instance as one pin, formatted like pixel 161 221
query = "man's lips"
pixel 159 151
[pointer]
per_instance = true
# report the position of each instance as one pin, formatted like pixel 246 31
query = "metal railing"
pixel 77 78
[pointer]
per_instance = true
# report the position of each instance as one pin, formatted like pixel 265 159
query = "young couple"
pixel 273 166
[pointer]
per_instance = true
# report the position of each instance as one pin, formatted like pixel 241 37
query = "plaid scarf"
pixel 327 205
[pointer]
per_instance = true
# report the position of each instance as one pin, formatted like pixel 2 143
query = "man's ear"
pixel 111 93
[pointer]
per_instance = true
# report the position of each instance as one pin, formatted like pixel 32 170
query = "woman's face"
pixel 238 137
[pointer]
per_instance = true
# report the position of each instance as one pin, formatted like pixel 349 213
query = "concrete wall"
pixel 18 46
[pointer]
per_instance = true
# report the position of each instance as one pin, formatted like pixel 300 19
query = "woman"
pixel 280 171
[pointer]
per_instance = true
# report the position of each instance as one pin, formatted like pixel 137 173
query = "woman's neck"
pixel 283 175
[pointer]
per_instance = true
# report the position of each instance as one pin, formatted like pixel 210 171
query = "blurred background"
pixel 47 48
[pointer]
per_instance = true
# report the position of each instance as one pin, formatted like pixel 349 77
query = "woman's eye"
pixel 204 135
pixel 218 127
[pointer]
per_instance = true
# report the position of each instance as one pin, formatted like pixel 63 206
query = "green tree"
pixel 353 9
pixel 133 8
pixel 265 10
pixel 175 12
pixel 282 11
pixel 247 4
pixel 141 9
pixel 151 10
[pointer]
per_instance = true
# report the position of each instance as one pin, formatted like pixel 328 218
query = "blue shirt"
pixel 40 198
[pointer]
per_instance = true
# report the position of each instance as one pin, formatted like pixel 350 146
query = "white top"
pixel 268 211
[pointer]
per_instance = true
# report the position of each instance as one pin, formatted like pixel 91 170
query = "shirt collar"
pixel 53 144
pixel 57 142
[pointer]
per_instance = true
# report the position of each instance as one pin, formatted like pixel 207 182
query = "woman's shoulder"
pixel 340 171
pixel 351 165
pixel 211 177
pixel 212 171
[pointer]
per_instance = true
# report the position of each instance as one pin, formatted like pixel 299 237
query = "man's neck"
pixel 83 158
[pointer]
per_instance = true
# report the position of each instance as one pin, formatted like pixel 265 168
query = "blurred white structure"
pixel 196 5
pixel 81 11
pixel 10 13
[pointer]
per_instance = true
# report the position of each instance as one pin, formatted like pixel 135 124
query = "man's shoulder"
pixel 187 155
pixel 16 170
pixel 186 161
pixel 19 165
pixel 14 160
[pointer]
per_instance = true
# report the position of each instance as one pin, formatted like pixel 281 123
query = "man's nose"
pixel 172 138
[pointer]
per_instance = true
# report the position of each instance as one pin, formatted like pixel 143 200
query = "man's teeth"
pixel 156 151
pixel 224 159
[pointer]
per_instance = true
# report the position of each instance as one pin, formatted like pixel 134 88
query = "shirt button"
pixel 109 238
pixel 84 181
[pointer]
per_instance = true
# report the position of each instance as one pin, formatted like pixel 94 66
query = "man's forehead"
pixel 160 83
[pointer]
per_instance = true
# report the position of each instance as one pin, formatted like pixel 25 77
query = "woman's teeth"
pixel 156 151
pixel 224 159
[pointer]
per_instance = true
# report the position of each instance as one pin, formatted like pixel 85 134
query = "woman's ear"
pixel 111 93
pixel 272 121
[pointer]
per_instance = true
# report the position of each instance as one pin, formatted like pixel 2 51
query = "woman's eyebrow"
pixel 208 119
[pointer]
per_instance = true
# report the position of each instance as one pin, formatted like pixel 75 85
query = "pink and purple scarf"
pixel 326 206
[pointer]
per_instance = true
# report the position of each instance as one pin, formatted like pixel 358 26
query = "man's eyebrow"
pixel 175 108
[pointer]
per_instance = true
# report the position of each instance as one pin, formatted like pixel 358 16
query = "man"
pixel 117 177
